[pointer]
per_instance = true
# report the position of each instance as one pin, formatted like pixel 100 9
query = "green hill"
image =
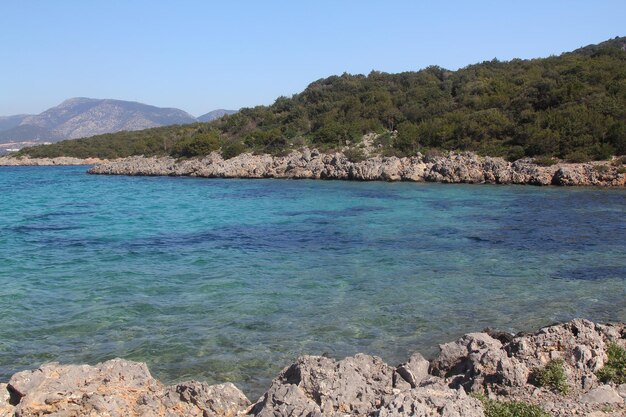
pixel 571 106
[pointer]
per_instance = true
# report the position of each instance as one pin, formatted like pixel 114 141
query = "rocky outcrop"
pixel 452 168
pixel 362 385
pixel 496 365
pixel 115 388
pixel 61 160
pixel 482 362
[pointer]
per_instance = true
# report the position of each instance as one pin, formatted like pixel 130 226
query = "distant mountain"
pixel 83 117
pixel 215 114
pixel 9 122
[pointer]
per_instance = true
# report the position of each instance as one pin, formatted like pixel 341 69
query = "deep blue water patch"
pixel 230 280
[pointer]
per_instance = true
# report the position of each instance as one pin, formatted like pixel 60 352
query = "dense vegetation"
pixel 571 106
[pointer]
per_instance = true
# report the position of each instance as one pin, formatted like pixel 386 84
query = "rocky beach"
pixel 312 164
pixel 471 374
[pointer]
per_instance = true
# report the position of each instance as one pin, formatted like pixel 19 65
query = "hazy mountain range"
pixel 82 117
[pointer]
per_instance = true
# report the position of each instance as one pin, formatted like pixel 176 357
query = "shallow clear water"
pixel 230 280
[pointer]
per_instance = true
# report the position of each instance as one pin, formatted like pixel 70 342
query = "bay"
pixel 231 280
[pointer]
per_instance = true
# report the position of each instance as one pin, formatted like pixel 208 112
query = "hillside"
pixel 571 106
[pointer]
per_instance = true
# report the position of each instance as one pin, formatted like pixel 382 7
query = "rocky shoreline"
pixel 312 164
pixel 61 160
pixel 307 163
pixel 467 373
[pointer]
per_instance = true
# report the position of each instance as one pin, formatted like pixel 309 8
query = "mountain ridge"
pixel 79 117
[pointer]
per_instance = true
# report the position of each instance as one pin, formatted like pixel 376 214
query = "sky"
pixel 204 55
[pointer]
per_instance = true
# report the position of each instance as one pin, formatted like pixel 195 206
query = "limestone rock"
pixel 432 400
pixel 213 400
pixel 117 388
pixel 470 361
pixel 413 371
pixel 580 343
pixel 463 167
pixel 356 385
pixel 494 363
pixel 6 409
pixel 603 394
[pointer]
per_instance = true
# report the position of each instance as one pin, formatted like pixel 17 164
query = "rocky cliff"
pixel 497 366
pixel 450 168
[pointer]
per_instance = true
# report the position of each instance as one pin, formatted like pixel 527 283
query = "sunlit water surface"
pixel 231 280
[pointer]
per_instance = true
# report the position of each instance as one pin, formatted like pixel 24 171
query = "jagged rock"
pixel 526 172
pixel 604 394
pixel 213 400
pixel 478 362
pixel 580 343
pixel 116 388
pixel 356 385
pixel 432 400
pixel 471 361
pixel 6 409
pixel 413 371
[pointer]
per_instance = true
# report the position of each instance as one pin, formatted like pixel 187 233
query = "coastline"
pixel 465 167
pixel 311 164
pixel 494 365
pixel 60 161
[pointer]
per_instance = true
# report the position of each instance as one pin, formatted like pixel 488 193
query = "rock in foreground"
pixel 498 366
pixel 115 388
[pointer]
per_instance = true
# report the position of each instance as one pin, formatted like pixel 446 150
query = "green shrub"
pixel 551 376
pixel 199 144
pixel 615 368
pixel 545 161
pixel 513 409
pixel 355 155
pixel 621 170
pixel 385 140
pixel 515 153
pixel 578 156
pixel 601 168
pixel 232 149
pixel 510 408
pixel 618 162
pixel 602 151
pixel 407 138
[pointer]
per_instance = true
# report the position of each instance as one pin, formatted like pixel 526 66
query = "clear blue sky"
pixel 202 55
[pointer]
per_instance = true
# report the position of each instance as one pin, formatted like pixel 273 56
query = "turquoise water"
pixel 230 280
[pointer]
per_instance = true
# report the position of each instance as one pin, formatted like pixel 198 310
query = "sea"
pixel 232 279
